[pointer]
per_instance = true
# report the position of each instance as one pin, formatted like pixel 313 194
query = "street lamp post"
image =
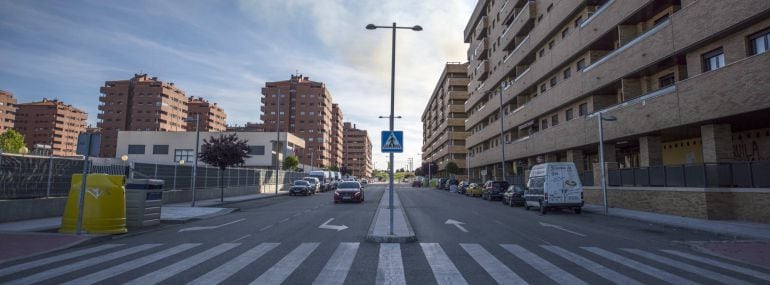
pixel 502 137
pixel 601 157
pixel 392 101
pixel 197 146
pixel 277 139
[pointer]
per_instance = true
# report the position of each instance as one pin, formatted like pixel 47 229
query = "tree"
pixel 223 152
pixel 11 141
pixel 334 168
pixel 452 168
pixel 290 163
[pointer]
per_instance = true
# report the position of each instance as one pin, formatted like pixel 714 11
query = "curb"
pixel 412 237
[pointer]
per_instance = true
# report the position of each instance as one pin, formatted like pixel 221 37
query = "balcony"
pixel 482 70
pixel 520 26
pixel 481 28
pixel 458 95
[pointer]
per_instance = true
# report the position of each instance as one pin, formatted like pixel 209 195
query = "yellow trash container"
pixel 104 210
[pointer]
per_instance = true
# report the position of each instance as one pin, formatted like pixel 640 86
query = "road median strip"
pixel 379 230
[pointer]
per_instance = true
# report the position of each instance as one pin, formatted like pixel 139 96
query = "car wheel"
pixel 542 208
pixel 578 210
pixel 526 206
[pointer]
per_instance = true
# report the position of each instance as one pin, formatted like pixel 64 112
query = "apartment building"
pixel 142 103
pixel 304 108
pixel 686 80
pixel 7 111
pixel 358 151
pixel 443 120
pixel 337 137
pixel 52 124
pixel 212 117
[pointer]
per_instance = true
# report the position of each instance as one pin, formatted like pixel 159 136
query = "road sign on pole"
pixel 392 141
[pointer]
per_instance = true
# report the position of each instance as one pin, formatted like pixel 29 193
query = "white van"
pixel 554 185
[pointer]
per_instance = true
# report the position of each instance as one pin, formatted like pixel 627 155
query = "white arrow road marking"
pixel 558 227
pixel 332 227
pixel 210 227
pixel 457 224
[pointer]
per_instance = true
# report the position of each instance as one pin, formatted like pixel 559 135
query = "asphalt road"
pixel 278 241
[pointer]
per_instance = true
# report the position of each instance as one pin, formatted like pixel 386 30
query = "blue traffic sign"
pixel 392 141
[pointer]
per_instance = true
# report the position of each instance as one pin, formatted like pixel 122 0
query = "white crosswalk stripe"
pixel 131 265
pixel 686 267
pixel 390 267
pixel 501 273
pixel 336 269
pixel 231 267
pixel 545 267
pixel 589 265
pixel 646 269
pixel 281 270
pixel 187 263
pixel 444 270
pixel 55 272
pixel 53 259
pixel 743 270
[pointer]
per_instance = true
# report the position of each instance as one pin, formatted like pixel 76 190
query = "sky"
pixel 225 51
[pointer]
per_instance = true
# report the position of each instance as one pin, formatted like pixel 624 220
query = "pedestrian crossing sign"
pixel 392 141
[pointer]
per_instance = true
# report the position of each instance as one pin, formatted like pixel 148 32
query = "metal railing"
pixel 736 174
pixel 30 176
pixel 179 177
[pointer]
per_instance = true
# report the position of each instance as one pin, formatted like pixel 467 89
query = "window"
pixel 568 114
pixel 565 33
pixel 183 154
pixel 713 60
pixel 136 149
pixel 567 72
pixel 661 19
pixel 544 124
pixel 550 45
pixel 581 64
pixel 666 80
pixel 547 10
pixel 160 149
pixel 541 52
pixel 553 81
pixel 760 42
pixel 554 120
pixel 542 88
pixel 256 150
pixel 583 109
pixel 578 21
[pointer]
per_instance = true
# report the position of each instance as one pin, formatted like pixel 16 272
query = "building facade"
pixel 683 88
pixel 142 103
pixel 212 117
pixel 357 151
pixel 337 136
pixel 443 120
pixel 51 124
pixel 304 108
pixel 7 111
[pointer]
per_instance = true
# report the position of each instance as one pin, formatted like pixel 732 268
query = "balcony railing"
pixel 736 174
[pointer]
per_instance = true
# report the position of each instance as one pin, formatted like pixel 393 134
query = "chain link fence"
pixel 180 177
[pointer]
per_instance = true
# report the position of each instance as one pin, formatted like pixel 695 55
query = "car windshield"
pixel 536 182
pixel 301 182
pixel 349 185
pixel 310 180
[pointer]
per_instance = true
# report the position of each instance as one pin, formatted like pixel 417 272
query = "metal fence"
pixel 36 176
pixel 739 174
pixel 180 177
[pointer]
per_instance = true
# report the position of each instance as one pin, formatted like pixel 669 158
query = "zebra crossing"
pixel 159 263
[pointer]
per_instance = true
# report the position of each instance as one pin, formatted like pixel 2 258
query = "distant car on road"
pixel 514 196
pixel 416 183
pixel 301 187
pixel 494 190
pixel 441 183
pixel 349 191
pixel 473 190
pixel 314 182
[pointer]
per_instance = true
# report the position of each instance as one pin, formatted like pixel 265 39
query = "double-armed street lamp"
pixel 608 118
pixel 392 100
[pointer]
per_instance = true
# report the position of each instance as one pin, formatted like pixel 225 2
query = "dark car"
pixel 442 183
pixel 416 183
pixel 514 196
pixel 349 191
pixel 493 190
pixel 301 187
pixel 462 187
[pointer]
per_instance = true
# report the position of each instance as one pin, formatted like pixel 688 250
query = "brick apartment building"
pixel 51 120
pixel 357 151
pixel 443 120
pixel 337 136
pixel 688 91
pixel 142 103
pixel 7 111
pixel 212 117
pixel 306 111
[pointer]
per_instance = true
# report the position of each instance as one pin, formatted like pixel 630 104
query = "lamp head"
pixel 124 157
pixel 371 27
pixel 181 162
pixel 416 28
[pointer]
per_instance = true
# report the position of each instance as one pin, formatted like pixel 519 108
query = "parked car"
pixel 473 190
pixel 494 190
pixel 314 182
pixel 514 196
pixel 301 187
pixel 364 182
pixel 554 185
pixel 349 191
pixel 416 183
pixel 462 187
pixel 333 184
pixel 441 183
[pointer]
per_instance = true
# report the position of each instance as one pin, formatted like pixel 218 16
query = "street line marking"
pixel 130 265
pixel 749 272
pixel 444 270
pixel 326 225
pixel 336 269
pixel 297 214
pixel 55 272
pixel 229 268
pixel 686 267
pixel 281 270
pixel 209 227
pixel 641 267
pixel 589 265
pixel 169 271
pixel 501 273
pixel 545 267
pixel 284 220
pixel 390 267
pixel 240 238
pixel 558 227
pixel 457 224
pixel 498 222
pixel 265 228
pixel 53 259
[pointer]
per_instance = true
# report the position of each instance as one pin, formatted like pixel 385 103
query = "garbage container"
pixel 104 205
pixel 144 198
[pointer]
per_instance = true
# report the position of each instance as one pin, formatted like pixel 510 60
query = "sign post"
pixel 88 144
pixel 392 142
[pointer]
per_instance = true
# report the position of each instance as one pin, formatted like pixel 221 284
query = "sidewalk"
pixel 729 228
pixel 379 230
pixel 183 212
